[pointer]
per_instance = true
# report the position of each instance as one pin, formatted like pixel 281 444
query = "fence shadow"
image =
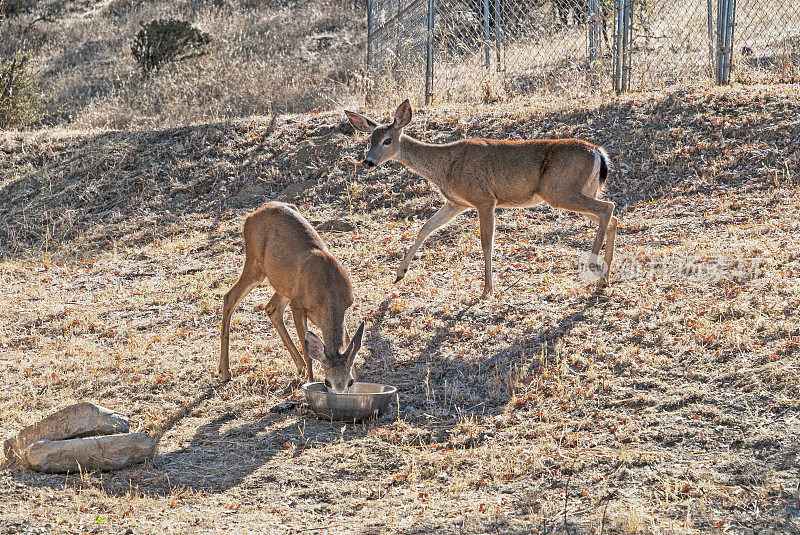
pixel 231 449
pixel 435 367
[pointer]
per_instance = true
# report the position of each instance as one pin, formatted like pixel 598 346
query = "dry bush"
pixel 12 8
pixel 161 41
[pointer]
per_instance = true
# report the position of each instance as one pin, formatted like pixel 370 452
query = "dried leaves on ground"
pixel 667 404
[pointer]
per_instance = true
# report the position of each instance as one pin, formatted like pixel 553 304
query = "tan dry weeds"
pixel 265 56
pixel 667 405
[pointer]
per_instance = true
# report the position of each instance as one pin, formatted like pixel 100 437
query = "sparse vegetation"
pixel 11 8
pixel 666 405
pixel 19 101
pixel 265 57
pixel 162 41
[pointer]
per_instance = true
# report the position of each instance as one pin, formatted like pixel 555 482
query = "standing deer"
pixel 282 246
pixel 484 174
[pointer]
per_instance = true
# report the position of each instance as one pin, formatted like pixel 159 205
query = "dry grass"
pixel 666 405
pixel 280 56
pixel 265 56
pixel 539 55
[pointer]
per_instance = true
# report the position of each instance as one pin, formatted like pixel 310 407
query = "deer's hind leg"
pixel 486 220
pixel 252 274
pixel 611 235
pixel 601 212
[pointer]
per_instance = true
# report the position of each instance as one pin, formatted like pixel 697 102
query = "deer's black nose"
pixel 369 164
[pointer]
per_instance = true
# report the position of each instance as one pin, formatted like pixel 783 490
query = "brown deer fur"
pixel 282 246
pixel 485 174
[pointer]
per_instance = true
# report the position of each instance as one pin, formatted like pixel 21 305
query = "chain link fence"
pixel 486 50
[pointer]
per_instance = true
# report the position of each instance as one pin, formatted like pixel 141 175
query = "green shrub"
pixel 13 8
pixel 161 41
pixel 19 102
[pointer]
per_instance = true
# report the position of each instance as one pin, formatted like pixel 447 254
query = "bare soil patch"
pixel 667 404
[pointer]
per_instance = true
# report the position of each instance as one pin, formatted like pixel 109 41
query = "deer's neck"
pixel 333 331
pixel 426 159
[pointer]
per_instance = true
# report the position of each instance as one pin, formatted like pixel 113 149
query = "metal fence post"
pixel 711 47
pixel 620 28
pixel 627 45
pixel 720 40
pixel 719 43
pixel 369 33
pixel 429 56
pixel 593 30
pixel 486 42
pixel 398 26
pixel 594 40
pixel 726 19
pixel 624 40
pixel 497 32
pixel 731 22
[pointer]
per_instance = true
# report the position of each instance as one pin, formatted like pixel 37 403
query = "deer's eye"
pixel 387 141
pixel 327 384
pixel 350 383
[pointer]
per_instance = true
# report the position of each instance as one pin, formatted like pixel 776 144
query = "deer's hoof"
pixel 224 375
pixel 597 287
pixel 398 279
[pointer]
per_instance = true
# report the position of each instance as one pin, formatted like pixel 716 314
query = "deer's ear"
pixel 355 345
pixel 314 347
pixel 361 123
pixel 403 115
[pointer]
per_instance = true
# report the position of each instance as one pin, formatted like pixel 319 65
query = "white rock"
pixel 110 452
pixel 78 420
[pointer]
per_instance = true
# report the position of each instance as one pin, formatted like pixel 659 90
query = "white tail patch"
pixel 592 185
pixel 486 174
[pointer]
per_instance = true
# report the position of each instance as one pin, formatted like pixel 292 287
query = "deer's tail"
pixel 601 161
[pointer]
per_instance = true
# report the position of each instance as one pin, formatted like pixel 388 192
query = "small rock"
pixel 79 420
pixel 336 225
pixel 284 406
pixel 291 191
pixel 110 452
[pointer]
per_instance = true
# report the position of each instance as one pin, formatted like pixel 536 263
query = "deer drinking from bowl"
pixel 282 246
pixel 485 174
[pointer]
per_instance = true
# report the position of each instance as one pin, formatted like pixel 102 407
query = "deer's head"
pixel 337 366
pixel 384 139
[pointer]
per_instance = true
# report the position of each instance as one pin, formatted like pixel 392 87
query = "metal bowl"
pixel 364 400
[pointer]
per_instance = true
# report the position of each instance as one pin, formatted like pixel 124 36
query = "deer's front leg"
pixel 274 310
pixel 300 323
pixel 486 219
pixel 442 216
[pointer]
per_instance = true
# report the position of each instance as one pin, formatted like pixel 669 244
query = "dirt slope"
pixel 668 404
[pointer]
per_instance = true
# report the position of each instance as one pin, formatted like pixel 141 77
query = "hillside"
pixel 277 56
pixel 666 404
